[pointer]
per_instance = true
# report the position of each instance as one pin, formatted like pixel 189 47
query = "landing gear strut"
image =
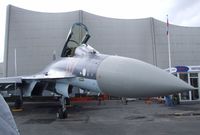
pixel 63 112
pixel 19 102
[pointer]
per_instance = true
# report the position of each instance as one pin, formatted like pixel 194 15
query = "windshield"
pixel 77 35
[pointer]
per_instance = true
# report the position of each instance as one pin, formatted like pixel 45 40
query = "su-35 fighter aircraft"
pixel 84 67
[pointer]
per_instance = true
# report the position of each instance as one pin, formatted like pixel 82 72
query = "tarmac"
pixel 110 118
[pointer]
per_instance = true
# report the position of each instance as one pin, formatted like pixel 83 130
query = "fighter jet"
pixel 84 67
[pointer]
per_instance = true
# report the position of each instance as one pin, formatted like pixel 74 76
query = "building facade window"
pixel 191 78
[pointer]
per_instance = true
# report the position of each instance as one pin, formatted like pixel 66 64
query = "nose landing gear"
pixel 63 112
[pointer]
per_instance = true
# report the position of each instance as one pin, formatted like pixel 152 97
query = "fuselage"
pixel 83 67
pixel 115 75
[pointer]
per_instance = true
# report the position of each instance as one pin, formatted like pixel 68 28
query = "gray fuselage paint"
pixel 84 68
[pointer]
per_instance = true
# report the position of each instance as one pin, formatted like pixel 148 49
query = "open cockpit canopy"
pixel 77 36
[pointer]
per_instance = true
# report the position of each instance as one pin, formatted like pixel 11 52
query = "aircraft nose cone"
pixel 120 76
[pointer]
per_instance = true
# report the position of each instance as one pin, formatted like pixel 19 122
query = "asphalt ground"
pixel 109 118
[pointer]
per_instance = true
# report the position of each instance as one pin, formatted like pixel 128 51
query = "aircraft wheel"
pixel 62 114
pixel 18 103
pixel 65 114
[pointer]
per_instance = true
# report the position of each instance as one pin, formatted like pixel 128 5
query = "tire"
pixel 60 114
pixel 18 103
pixel 65 114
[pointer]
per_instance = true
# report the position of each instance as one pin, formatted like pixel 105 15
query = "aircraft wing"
pixel 11 80
pixel 20 79
pixel 47 77
pixel 8 83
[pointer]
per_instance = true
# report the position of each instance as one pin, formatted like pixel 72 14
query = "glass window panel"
pixel 185 95
pixel 195 94
pixel 184 76
pixel 194 82
pixel 193 74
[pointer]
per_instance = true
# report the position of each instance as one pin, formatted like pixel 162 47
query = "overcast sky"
pixel 181 12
